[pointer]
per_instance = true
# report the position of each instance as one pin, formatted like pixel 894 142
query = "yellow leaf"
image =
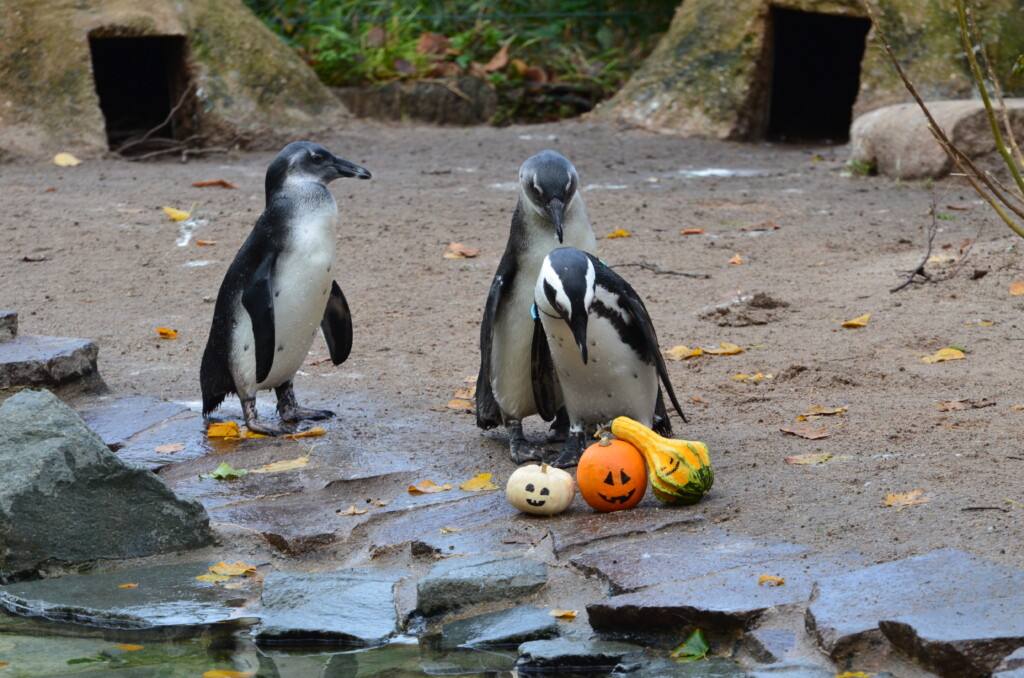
pixel 176 215
pixel 944 355
pixel 128 586
pixel 682 353
pixel 129 648
pixel 311 433
pixel 449 530
pixel 736 259
pixel 987 323
pixel 770 580
pixel 724 348
pixel 559 613
pixel 619 233
pixel 170 448
pixel 66 160
pixel 750 378
pixel 902 501
pixel 278 466
pixel 459 251
pixel 246 433
pixel 466 393
pixel 854 674
pixel 857 322
pixel 222 429
pixel 233 569
pixel 1017 288
pixel 228 674
pixel 481 483
pixel 166 333
pixel 458 404
pixel 351 511
pixel 428 487
pixel 213 578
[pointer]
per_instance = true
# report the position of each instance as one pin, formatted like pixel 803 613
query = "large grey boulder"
pixel 65 498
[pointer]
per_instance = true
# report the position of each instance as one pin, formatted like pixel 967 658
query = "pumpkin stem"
pixel 605 436
pixel 543 467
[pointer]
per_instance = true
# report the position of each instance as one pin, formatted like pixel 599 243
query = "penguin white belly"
pixel 614 382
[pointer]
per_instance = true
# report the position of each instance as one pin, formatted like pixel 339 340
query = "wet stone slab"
pixel 354 607
pixel 796 668
pixel 966 640
pixel 769 645
pixel 37 360
pixel 845 611
pixel 478 579
pixel 502 628
pixel 163 596
pixel 677 556
pixel 576 529
pixel 186 429
pixel 565 655
pixel 476 541
pixel 721 601
pixel 663 667
pixel 115 419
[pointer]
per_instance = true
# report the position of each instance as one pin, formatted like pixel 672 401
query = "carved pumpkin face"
pixel 612 475
pixel 542 490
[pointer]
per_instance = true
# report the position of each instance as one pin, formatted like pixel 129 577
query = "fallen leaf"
pixel 770 580
pixel 619 233
pixel 943 355
pixel 449 530
pixel 228 674
pixel 466 393
pixel 963 404
pixel 805 431
pixel 854 674
pixel 129 648
pixel 176 215
pixel 724 348
pixel 278 466
pixel 751 378
pixel 959 206
pixel 222 429
pixel 499 60
pixel 224 472
pixel 691 231
pixel 246 433
pixel 811 459
pixel 736 259
pixel 32 258
pixel 432 43
pixel 770 225
pixel 66 160
pixel 682 353
pixel 205 243
pixel 480 483
pixel 166 333
pixel 902 501
pixel 559 613
pixel 223 183
pixel 819 412
pixel 311 433
pixel 351 511
pixel 862 321
pixel 170 448
pixel 459 251
pixel 1017 288
pixel 428 487
pixel 695 647
pixel 128 586
pixel 458 404
pixel 942 259
pixel 233 569
pixel 214 578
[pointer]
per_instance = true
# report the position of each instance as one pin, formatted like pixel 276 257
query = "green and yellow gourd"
pixel 680 470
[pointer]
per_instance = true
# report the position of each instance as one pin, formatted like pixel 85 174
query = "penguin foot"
pixel 559 430
pixel 297 413
pixel 253 423
pixel 519 447
pixel 571 452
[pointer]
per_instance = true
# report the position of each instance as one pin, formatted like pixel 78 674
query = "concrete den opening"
pixel 815 74
pixel 144 90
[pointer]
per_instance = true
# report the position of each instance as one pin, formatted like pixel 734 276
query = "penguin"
pixel 549 213
pixel 279 289
pixel 593 328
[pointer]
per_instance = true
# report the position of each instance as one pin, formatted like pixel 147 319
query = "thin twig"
pixel 919 271
pixel 662 271
pixel 135 142
pixel 985 508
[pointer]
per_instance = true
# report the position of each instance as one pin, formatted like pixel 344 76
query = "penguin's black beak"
pixel 556 212
pixel 344 168
pixel 578 327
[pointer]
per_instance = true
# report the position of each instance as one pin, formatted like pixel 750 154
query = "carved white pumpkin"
pixel 543 490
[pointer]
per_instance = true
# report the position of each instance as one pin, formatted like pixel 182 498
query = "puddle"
pixel 722 173
pixel 186 229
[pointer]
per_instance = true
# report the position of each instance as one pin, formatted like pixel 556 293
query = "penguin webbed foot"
pixel 570 453
pixel 290 410
pixel 519 447
pixel 559 430
pixel 253 423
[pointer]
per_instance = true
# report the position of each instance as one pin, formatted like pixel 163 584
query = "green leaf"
pixel 87 660
pixel 224 472
pixel 946 217
pixel 959 348
pixel 696 647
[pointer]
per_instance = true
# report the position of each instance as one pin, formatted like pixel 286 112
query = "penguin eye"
pixel 316 157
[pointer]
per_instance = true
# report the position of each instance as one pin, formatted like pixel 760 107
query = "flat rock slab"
pixel 794 669
pixel 677 556
pixel 478 579
pixel 565 655
pixel 163 596
pixel 476 541
pixel 721 601
pixel 769 645
pixel 575 529
pixel 353 607
pixel 966 640
pixel 504 627
pixel 663 667
pixel 149 447
pixel 846 609
pixel 37 360
pixel 116 419
pixel 1013 661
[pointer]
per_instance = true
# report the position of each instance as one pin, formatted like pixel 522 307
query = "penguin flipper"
pixel 488 412
pixel 542 374
pixel 258 301
pixel 337 325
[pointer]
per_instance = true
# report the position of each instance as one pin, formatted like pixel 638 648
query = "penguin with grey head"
pixel 549 213
pixel 279 289
pixel 593 332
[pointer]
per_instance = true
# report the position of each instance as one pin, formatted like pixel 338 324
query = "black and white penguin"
pixel 548 214
pixel 595 331
pixel 279 290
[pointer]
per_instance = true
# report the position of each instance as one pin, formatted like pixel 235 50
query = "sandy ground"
pixel 113 268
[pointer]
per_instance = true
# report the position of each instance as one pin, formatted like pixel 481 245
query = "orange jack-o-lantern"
pixel 543 490
pixel 612 475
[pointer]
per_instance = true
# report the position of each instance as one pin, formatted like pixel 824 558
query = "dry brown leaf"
pixel 166 333
pixel 459 251
pixel 499 60
pixel 1017 288
pixel 805 431
pixel 811 459
pixel 736 259
pixel 223 183
pixel 459 404
pixel 428 487
pixel 466 393
pixel 351 511
pixel 311 433
pixel 771 580
pixel 819 412
pixel 902 501
pixel 205 243
pixel 691 231
pixel 170 448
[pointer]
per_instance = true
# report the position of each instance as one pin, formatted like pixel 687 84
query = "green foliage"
pixel 696 647
pixel 861 168
pixel 563 55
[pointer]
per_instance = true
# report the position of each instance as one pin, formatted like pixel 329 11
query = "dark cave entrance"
pixel 144 90
pixel 815 74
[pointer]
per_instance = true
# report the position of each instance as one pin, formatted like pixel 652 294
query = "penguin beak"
pixel 556 212
pixel 344 168
pixel 578 327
